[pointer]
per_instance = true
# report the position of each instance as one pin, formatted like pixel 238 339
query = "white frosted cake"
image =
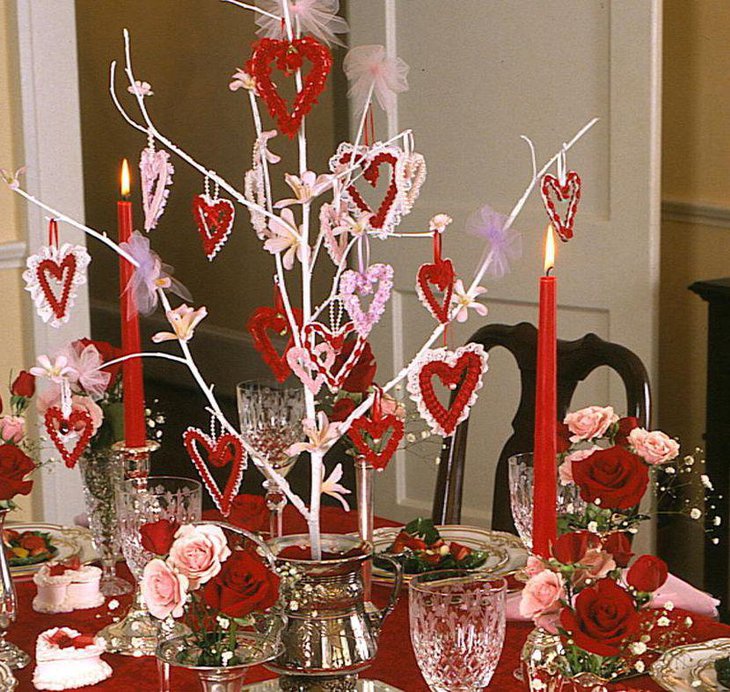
pixel 66 659
pixel 63 588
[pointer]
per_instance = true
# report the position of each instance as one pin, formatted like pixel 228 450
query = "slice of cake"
pixel 67 586
pixel 67 659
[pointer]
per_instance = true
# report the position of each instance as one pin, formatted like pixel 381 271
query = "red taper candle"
pixel 544 518
pixel 135 434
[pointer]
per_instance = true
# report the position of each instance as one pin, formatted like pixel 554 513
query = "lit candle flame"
pixel 549 250
pixel 125 179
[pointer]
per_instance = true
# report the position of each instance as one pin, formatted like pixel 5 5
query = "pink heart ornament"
pixel 303 364
pixel 156 173
pixel 335 339
pixel 354 285
pixel 334 243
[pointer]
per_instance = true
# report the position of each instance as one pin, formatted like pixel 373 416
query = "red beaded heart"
pixel 263 320
pixel 288 57
pixel 58 426
pixel 214 221
pixel 227 449
pixel 63 273
pixel 570 193
pixel 440 274
pixel 316 332
pixel 376 429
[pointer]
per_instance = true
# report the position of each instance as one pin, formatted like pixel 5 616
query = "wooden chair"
pixel 576 360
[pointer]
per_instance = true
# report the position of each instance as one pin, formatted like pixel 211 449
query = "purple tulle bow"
pixel 504 244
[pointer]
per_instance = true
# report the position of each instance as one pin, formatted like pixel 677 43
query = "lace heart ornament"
pixel 220 452
pixel 568 195
pixel 265 320
pixel 155 173
pixel 303 364
pixel 461 371
pixel 51 278
pixel 439 274
pixel 214 219
pixel 315 333
pixel 70 434
pixel 355 284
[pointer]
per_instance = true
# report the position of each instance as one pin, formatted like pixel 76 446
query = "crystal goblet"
pixel 457 622
pixel 271 416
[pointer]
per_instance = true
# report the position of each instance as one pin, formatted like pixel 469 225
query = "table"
pixel 395 663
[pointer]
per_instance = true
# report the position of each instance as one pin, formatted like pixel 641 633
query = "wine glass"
pixel 271 416
pixel 521 475
pixel 457 620
pixel 143 501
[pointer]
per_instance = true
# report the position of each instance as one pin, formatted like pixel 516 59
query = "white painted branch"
pixel 253 8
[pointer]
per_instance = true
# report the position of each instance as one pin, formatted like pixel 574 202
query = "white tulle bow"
pixel 316 17
pixel 369 67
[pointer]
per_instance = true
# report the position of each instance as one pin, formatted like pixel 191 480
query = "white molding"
pixel 12 255
pixel 699 214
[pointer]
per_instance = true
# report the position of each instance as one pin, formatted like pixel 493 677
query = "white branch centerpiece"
pixel 327 210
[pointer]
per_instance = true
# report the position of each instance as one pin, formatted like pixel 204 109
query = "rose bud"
pixel 618 544
pixel 24 385
pixel 624 428
pixel 647 574
pixel 157 536
pixel 570 548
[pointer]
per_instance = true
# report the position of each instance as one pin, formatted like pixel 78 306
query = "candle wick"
pixel 549 271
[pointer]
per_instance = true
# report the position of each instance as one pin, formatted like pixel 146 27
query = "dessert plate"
pixel 690 667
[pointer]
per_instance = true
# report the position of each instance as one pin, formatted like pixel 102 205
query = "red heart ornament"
pixel 288 57
pixel 227 449
pixel 59 426
pixel 63 273
pixel 377 430
pixel 570 193
pixel 440 274
pixel 459 370
pixel 315 332
pixel 214 221
pixel 263 320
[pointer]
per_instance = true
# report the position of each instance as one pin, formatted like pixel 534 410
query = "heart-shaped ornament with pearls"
pixel 568 196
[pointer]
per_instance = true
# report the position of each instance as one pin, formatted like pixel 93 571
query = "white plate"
pixel 506 552
pixel 69 541
pixel 681 668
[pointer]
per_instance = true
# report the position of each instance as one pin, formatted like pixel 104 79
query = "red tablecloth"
pixel 395 663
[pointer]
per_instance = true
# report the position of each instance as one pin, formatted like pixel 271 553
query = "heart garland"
pixel 60 428
pixel 440 274
pixel 462 369
pixel 289 57
pixel 354 284
pixel 214 219
pixel 156 173
pixel 376 427
pixel 407 173
pixel 220 452
pixel 52 277
pixel 303 365
pixel 570 193
pixel 335 338
pixel 267 319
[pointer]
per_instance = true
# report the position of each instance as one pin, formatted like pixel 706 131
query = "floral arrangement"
pixel 16 462
pixel 592 591
pixel 197 578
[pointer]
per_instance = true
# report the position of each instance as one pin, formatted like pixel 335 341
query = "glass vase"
pixel 10 654
pixel 102 472
pixel 541 662
pixel 364 483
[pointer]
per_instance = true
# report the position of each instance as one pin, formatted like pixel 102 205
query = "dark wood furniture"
pixel 717 433
pixel 576 360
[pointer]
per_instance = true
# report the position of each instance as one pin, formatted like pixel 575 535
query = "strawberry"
pixel 459 551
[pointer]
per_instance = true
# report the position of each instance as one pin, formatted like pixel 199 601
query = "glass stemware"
pixel 457 620
pixel 271 415
pixel 143 501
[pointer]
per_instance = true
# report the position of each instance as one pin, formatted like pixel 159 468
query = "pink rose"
pixel 12 428
pixel 597 564
pixel 198 552
pixel 164 590
pixel 541 596
pixel 534 566
pixel 653 447
pixel 565 470
pixel 591 422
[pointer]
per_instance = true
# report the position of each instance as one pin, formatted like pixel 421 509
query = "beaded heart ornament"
pixel 461 371
pixel 69 434
pixel 377 437
pixel 355 284
pixel 568 194
pixel 439 274
pixel 214 218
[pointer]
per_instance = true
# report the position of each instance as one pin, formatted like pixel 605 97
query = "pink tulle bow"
pixel 369 67
pixel 316 17
pixel 504 244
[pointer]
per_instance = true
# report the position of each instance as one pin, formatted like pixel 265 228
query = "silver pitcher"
pixel 330 633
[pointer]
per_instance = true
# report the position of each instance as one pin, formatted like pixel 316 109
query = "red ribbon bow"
pixel 59 568
pixel 63 640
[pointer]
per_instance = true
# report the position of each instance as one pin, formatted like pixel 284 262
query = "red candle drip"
pixel 135 434
pixel 544 524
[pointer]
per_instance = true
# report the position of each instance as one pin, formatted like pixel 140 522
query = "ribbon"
pixel 63 640
pixel 437 260
pixel 53 232
pixel 59 568
pixel 376 410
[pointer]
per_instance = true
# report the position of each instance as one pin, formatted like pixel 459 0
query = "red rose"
pixel 647 574
pixel 249 512
pixel 625 426
pixel 243 585
pixel 342 409
pixel 14 468
pixel 158 536
pixel 615 476
pixel 619 545
pixel 603 617
pixel 23 386
pixel 570 548
pixel 562 438
pixel 108 352
pixel 361 377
